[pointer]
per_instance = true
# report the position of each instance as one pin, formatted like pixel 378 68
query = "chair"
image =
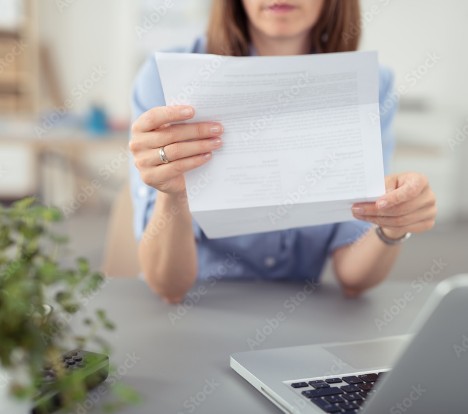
pixel 121 250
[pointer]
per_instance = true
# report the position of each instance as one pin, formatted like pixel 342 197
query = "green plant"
pixel 32 281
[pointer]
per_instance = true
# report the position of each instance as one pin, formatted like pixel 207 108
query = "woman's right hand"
pixel 187 146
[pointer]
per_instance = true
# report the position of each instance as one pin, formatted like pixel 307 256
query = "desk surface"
pixel 177 357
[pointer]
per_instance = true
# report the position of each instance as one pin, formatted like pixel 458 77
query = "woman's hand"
pixel 187 146
pixel 409 206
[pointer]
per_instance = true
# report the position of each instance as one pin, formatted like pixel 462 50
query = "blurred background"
pixel 66 72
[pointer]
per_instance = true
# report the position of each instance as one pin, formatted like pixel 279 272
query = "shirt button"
pixel 270 261
pixel 143 192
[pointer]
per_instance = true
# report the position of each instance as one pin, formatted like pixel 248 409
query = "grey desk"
pixel 178 357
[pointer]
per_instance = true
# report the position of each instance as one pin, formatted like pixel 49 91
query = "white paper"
pixel 301 141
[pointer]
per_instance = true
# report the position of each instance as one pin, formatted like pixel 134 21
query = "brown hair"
pixel 338 28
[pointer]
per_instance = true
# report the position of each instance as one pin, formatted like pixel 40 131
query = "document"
pixel 302 138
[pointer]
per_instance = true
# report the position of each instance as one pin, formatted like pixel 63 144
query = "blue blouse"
pixel 295 254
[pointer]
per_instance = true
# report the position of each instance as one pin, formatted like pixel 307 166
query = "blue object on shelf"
pixel 96 122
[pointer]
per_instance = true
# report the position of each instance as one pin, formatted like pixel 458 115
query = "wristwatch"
pixel 389 241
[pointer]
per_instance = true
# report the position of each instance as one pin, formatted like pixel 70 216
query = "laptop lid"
pixel 431 375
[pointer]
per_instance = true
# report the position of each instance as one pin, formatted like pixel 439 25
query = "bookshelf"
pixel 19 58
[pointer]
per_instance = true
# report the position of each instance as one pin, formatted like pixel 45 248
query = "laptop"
pixel 422 373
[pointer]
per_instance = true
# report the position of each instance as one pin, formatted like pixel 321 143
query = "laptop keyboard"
pixel 338 394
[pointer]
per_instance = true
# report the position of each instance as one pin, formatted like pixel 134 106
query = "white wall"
pixel 88 34
pixel 83 34
pixel 168 23
pixel 407 32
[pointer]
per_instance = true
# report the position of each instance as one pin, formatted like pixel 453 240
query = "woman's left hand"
pixel 409 206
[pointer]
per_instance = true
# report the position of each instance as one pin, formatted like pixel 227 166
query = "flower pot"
pixel 8 403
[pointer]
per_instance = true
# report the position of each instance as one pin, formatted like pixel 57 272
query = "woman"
pixel 173 250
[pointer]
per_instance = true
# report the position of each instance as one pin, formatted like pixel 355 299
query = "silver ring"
pixel 163 156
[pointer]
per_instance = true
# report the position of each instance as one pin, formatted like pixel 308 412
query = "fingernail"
pixel 186 112
pixel 208 156
pixel 216 129
pixel 217 142
pixel 382 204
pixel 358 210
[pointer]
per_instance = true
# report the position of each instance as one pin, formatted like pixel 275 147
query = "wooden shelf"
pixel 9 80
pixel 8 103
pixel 19 51
pixel 9 35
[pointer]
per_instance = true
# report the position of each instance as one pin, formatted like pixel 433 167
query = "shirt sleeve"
pixel 147 94
pixel 350 232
